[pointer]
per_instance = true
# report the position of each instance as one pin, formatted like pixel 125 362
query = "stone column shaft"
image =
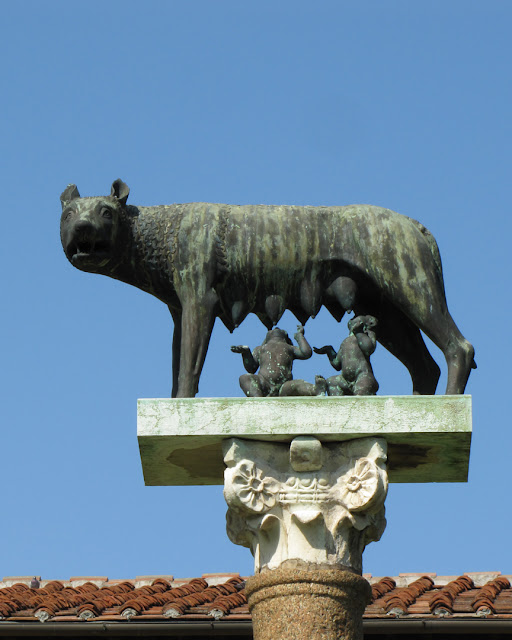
pixel 315 603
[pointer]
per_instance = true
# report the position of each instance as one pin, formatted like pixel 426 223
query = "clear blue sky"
pixel 396 103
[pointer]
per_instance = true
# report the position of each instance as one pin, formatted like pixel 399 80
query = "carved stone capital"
pixel 320 503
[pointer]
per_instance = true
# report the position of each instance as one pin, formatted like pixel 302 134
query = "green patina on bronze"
pixel 214 260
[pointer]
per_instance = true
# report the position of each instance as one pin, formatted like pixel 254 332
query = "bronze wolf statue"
pixel 214 260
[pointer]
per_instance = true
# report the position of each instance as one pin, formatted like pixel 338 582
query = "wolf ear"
pixel 120 190
pixel 69 193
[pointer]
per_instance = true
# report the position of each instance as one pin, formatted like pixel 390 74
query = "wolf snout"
pixel 84 230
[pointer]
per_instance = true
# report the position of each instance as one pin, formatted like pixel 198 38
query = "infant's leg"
pixel 298 388
pixel 252 385
pixel 366 385
pixel 338 386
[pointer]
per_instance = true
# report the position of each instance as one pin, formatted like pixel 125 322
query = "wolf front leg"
pixel 197 320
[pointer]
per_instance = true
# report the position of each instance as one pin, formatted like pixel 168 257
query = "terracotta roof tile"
pixel 483 601
pixel 443 600
pixel 222 596
pixel 397 601
pixel 382 587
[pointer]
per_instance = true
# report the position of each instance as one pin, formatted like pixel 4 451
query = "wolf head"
pixel 90 227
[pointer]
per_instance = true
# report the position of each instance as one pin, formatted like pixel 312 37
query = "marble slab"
pixel 428 437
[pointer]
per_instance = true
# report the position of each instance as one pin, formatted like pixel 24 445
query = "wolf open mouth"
pixel 88 248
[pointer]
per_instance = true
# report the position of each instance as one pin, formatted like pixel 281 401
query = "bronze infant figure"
pixel 353 360
pixel 274 359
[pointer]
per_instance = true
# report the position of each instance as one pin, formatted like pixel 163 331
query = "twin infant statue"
pixel 274 359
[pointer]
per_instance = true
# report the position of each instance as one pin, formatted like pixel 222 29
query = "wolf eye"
pixel 106 213
pixel 67 214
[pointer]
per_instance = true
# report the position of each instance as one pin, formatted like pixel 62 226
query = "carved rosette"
pixel 251 489
pixel 320 503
